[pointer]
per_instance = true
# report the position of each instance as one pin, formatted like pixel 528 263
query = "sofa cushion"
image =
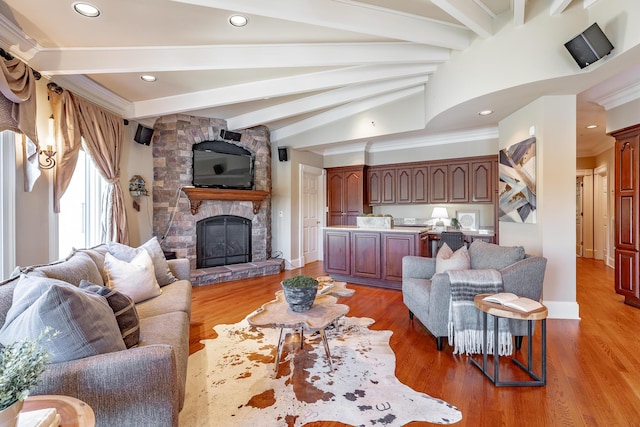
pixel 73 269
pixel 85 323
pixel 123 308
pixel 126 253
pixel 489 256
pixel 135 279
pixel 446 259
pixel 175 297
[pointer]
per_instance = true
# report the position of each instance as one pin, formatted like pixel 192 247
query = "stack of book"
pixel 47 417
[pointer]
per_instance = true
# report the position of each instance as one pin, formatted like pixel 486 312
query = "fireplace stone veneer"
pixel 173 138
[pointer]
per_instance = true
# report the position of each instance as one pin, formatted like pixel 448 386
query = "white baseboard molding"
pixel 563 310
pixel 611 262
pixel 293 264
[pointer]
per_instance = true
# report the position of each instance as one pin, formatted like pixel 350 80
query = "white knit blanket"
pixel 465 320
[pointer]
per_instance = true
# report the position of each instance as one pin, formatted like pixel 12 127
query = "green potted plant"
pixel 300 292
pixel 21 363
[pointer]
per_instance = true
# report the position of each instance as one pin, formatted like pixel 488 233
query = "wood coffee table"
pixel 74 412
pixel 277 314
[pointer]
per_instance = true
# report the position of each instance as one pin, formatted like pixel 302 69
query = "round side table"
pixel 498 310
pixel 74 412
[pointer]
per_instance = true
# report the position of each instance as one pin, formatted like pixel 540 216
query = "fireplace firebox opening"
pixel 223 240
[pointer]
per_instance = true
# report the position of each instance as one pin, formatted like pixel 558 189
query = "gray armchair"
pixel 427 294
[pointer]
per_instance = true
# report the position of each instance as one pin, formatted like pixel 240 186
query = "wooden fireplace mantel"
pixel 197 194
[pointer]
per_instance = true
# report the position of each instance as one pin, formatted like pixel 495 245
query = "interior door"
pixel 311 213
pixel 579 214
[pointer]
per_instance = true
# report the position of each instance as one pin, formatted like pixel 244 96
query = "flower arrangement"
pixel 21 363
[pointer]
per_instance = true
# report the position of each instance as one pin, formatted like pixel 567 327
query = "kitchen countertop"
pixel 410 229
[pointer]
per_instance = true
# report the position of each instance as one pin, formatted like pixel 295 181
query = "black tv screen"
pixel 218 164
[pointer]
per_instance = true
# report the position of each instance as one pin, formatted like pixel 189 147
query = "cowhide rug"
pixel 231 382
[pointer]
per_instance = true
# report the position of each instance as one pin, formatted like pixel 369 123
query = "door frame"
pixel 321 203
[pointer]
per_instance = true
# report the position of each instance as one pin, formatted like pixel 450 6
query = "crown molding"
pixel 414 141
pixel 620 97
pixel 92 91
pixel 16 42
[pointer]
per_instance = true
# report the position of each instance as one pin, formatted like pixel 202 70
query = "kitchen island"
pixel 373 256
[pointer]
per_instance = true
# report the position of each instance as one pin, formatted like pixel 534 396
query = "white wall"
pixel 285 229
pixel 553 236
pixel 137 159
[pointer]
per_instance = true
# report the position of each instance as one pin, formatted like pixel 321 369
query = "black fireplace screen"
pixel 223 240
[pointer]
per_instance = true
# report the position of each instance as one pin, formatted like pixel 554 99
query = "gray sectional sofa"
pixel 427 294
pixel 139 386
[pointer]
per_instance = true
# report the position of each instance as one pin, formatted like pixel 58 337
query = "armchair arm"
pixel 525 277
pixel 137 386
pixel 180 268
pixel 418 267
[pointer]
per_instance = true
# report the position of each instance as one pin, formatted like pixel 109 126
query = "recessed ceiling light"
pixel 592 126
pixel 485 112
pixel 238 20
pixel 86 9
pixel 148 78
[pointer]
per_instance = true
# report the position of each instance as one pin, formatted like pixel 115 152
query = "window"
pixel 8 197
pixel 79 224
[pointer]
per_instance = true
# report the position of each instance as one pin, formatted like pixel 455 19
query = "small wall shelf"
pixel 197 195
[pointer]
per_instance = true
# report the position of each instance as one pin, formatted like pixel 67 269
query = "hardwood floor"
pixel 593 364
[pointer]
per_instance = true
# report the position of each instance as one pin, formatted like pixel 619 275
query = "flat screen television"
pixel 218 164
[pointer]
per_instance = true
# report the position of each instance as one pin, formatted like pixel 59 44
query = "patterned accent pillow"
pixel 136 279
pixel 85 323
pixel 123 308
pixel 446 259
pixel 127 253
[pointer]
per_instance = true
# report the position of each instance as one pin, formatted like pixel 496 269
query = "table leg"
pixel 326 347
pixel 279 350
pixel 495 349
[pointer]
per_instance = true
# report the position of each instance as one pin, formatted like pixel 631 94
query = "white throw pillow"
pixel 160 265
pixel 446 259
pixel 136 278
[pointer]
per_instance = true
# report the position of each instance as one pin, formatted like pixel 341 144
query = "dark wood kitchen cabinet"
pixel 627 218
pixel 381 183
pixel 370 257
pixel 483 180
pixel 365 254
pixel 346 194
pixel 337 252
pixel 438 183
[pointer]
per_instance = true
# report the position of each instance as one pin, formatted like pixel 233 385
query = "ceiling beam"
pixel 355 17
pixel 558 6
pixel 339 113
pixel 251 91
pixel 61 61
pixel 518 12
pixel 470 14
pixel 321 101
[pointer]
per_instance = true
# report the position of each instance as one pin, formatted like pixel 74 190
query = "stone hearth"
pixel 173 138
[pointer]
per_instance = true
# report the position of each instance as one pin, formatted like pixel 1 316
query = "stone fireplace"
pixel 172 143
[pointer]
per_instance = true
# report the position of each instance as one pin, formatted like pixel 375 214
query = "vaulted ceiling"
pixel 296 65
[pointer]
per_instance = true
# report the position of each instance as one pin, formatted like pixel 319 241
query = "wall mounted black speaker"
pixel 283 155
pixel 590 46
pixel 233 136
pixel 143 135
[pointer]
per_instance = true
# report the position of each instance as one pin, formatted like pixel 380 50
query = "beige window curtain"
pixel 18 86
pixel 67 137
pixel 103 133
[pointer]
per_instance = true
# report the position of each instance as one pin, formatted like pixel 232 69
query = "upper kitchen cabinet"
pixel 346 194
pixel 381 184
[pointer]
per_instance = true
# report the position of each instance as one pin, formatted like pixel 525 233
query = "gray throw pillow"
pixel 489 256
pixel 85 323
pixel 123 308
pixel 152 246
